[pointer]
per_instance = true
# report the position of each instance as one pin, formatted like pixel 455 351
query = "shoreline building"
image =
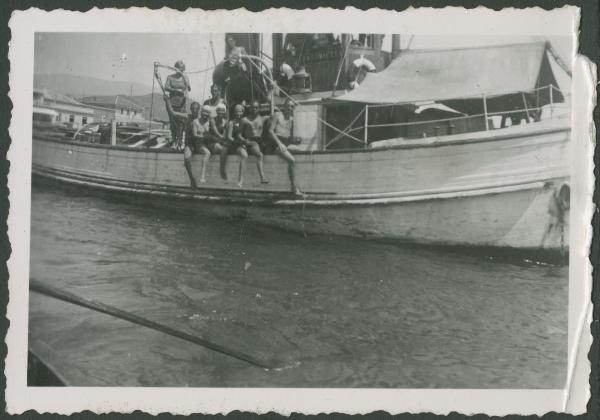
pixel 114 107
pixel 71 113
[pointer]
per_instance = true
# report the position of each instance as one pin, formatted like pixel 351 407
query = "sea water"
pixel 326 311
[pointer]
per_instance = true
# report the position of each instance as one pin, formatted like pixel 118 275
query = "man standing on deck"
pixel 281 132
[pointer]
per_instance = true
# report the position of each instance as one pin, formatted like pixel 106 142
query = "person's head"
pixel 215 91
pixel 194 108
pixel 288 107
pixel 205 112
pixel 230 41
pixel 253 108
pixel 238 111
pixel 221 110
pixel 179 65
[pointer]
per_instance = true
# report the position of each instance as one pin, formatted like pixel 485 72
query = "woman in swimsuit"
pixel 215 99
pixel 177 86
pixel 218 134
pixel 240 145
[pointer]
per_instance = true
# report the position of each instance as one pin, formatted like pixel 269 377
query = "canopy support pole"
pixel 151 102
pixel 525 104
pixel 551 100
pixel 485 113
pixel 366 138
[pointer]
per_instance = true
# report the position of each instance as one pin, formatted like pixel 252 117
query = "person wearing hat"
pixel 177 86
pixel 241 146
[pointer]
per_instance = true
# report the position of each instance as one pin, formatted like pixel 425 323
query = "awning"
pixel 438 75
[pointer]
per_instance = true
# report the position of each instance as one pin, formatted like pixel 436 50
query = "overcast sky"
pixel 129 57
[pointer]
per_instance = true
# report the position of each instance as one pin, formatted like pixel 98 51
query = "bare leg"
pixel 205 158
pixel 287 156
pixel 243 156
pixel 255 148
pixel 223 162
pixel 187 162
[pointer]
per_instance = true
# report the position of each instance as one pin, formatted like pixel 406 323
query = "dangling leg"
pixel 187 162
pixel 255 148
pixel 241 151
pixel 223 162
pixel 205 158
pixel 287 156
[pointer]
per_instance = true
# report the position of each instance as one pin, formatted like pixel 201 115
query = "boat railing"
pixel 526 112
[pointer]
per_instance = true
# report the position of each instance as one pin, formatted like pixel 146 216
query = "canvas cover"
pixel 442 75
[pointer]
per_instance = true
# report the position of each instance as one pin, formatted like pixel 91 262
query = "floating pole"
pixel 46 290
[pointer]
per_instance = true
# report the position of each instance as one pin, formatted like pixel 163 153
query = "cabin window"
pixel 83 120
pixel 71 118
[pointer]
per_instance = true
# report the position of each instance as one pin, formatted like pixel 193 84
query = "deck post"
pixel 551 100
pixel 113 133
pixel 525 104
pixel 366 125
pixel 485 113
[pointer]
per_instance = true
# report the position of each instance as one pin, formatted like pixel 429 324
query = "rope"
pixel 157 64
pixel 299 104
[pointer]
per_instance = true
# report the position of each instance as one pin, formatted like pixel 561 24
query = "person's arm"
pixel 242 135
pixel 170 109
pixel 230 132
pixel 214 131
pixel 186 80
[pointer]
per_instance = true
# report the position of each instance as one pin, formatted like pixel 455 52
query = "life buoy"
pixel 358 71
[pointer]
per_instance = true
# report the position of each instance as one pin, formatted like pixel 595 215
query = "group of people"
pixel 207 130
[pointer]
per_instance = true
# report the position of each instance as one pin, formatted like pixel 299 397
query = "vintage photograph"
pixel 383 210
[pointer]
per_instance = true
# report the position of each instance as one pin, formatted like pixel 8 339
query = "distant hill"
pixel 78 86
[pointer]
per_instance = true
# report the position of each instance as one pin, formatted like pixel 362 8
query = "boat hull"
pixel 471 192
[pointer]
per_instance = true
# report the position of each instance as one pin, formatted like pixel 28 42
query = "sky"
pixel 129 57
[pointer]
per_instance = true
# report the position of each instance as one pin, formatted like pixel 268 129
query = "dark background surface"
pixel 588 45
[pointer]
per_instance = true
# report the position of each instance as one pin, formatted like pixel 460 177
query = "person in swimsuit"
pixel 281 132
pixel 177 86
pixel 241 145
pixel 253 126
pixel 215 99
pixel 203 140
pixel 186 121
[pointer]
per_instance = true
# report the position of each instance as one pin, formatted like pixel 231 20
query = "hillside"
pixel 78 86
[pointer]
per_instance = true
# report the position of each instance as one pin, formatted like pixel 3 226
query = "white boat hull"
pixel 496 189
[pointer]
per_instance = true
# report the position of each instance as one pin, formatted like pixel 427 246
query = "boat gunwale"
pixel 437 142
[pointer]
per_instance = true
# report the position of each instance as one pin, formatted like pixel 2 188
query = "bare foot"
pixel 203 180
pixel 264 181
pixel 239 184
pixel 193 183
pixel 296 191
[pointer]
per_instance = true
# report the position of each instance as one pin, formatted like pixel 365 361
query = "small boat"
pixel 484 162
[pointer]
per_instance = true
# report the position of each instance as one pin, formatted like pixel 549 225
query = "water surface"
pixel 335 312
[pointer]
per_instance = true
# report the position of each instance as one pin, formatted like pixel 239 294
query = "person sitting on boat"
pixel 281 133
pixel 177 86
pixel 253 125
pixel 215 99
pixel 185 121
pixel 218 134
pixel 241 145
pixel 202 140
